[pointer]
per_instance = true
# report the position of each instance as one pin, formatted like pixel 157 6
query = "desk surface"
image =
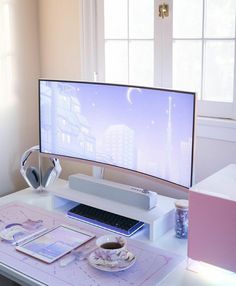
pixel 180 276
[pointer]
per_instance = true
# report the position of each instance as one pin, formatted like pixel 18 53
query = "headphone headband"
pixel 34 177
pixel 27 153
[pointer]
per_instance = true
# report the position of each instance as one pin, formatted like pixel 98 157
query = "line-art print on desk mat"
pixel 16 232
pixel 152 265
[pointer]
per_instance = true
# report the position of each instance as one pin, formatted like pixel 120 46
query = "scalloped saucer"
pixel 111 266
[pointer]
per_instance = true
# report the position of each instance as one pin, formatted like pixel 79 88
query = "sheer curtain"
pixel 18 87
pixel 6 57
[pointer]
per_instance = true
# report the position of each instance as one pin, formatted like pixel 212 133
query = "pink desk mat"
pixel 152 265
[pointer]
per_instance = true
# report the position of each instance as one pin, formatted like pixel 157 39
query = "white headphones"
pixel 33 176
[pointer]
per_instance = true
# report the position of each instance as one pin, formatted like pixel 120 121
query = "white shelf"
pixel 160 219
pixel 220 184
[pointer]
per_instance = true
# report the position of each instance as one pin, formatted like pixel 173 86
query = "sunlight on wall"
pixel 7 78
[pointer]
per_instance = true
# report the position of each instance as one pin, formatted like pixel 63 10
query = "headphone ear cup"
pixel 32 175
pixel 47 178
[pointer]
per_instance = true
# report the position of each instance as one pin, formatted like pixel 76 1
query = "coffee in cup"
pixel 111 247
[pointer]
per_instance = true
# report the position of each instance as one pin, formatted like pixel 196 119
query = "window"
pixel 191 49
pixel 129 41
pixel 203 53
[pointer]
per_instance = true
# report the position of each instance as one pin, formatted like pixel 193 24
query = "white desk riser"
pixel 179 277
pixel 159 220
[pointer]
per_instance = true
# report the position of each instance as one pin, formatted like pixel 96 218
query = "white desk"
pixel 180 276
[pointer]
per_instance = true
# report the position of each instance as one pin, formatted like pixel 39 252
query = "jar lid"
pixel 181 204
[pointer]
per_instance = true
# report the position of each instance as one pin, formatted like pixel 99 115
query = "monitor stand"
pixel 98 172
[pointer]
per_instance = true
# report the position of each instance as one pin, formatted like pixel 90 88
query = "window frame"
pixel 93 55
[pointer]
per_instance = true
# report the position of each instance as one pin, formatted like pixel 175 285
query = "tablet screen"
pixel 55 243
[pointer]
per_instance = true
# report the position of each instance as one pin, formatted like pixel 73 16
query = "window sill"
pixel 219 129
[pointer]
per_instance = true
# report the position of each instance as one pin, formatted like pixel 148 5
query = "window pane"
pixel 141 62
pixel 219 71
pixel 220 18
pixel 115 19
pixel 187 18
pixel 141 19
pixel 116 61
pixel 187 65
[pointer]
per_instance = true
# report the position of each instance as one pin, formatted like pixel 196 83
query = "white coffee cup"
pixel 111 247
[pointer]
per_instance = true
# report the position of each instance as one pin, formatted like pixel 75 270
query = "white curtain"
pixel 18 87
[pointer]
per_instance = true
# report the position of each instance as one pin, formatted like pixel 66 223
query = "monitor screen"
pixel 147 130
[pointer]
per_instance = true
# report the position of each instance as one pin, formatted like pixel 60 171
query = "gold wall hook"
pixel 163 10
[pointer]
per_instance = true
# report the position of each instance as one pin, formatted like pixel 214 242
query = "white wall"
pixel 18 84
pixel 59 25
pixel 60 58
pixel 212 155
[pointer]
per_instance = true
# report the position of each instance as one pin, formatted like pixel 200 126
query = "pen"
pixel 30 236
pixel 77 254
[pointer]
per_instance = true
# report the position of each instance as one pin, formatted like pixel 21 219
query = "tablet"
pixel 55 243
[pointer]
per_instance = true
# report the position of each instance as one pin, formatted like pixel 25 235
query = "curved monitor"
pixel 146 130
